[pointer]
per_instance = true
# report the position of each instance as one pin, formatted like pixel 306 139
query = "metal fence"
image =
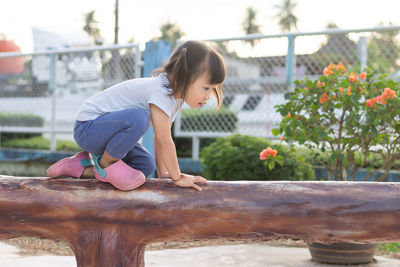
pixel 262 68
pixel 52 84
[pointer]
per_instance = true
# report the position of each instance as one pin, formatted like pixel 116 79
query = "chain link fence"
pixel 262 68
pixel 48 87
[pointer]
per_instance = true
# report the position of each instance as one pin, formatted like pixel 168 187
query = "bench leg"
pixel 107 248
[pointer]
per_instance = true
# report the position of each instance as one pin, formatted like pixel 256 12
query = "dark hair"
pixel 188 62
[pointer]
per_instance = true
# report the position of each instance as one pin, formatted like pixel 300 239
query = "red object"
pixel 12 65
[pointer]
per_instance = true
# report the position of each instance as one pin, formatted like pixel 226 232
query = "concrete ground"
pixel 245 255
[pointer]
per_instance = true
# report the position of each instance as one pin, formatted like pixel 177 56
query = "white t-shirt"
pixel 136 93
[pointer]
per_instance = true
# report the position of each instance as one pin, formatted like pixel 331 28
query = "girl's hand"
pixel 187 180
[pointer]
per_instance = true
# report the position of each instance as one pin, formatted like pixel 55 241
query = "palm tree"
pixel 287 20
pixel 249 24
pixel 170 32
pixel 91 26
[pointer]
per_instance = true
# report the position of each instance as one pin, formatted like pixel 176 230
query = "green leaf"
pixel 374 132
pixel 275 131
pixel 271 165
pixel 288 95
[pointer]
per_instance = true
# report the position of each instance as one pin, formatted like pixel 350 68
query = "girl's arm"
pixel 163 142
pixel 161 169
pixel 166 152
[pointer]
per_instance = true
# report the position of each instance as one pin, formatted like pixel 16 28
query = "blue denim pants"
pixel 118 133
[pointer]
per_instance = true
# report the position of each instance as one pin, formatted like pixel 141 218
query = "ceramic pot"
pixel 342 253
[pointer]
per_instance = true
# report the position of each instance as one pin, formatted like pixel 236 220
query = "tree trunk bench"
pixel 106 227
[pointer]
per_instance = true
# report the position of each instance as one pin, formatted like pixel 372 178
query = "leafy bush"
pixel 39 142
pixel 347 114
pixel 317 156
pixel 390 247
pixel 222 120
pixel 237 157
pixel 22 120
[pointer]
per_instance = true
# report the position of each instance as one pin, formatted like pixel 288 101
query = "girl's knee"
pixel 139 121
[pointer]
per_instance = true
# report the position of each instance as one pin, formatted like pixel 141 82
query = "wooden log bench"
pixel 106 227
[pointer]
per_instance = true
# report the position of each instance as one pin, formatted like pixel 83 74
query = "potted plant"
pixel 351 116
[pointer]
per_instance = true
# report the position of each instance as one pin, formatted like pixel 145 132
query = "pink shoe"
pixel 72 166
pixel 119 174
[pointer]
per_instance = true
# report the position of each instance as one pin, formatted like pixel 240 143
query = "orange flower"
pixel 352 77
pixel 349 90
pixel 265 153
pixel 341 89
pixel 380 99
pixel 320 83
pixel 306 88
pixel 282 138
pixel 289 115
pixel 370 102
pixel 324 98
pixel 327 71
pixel 362 75
pixel 331 66
pixel 389 93
pixel 341 67
pixel 361 89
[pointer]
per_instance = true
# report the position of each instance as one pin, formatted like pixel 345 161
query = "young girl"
pixel 110 124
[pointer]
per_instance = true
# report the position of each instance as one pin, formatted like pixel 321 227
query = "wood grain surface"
pixel 107 227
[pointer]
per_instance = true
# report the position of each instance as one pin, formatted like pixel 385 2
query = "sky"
pixel 202 19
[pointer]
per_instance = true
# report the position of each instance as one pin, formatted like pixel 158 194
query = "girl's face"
pixel 199 91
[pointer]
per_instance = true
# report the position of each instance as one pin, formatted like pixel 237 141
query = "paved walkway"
pixel 254 255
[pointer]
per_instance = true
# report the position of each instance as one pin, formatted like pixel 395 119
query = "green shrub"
pixel 222 120
pixel 21 120
pixel 237 157
pixel 390 247
pixel 373 161
pixel 38 142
